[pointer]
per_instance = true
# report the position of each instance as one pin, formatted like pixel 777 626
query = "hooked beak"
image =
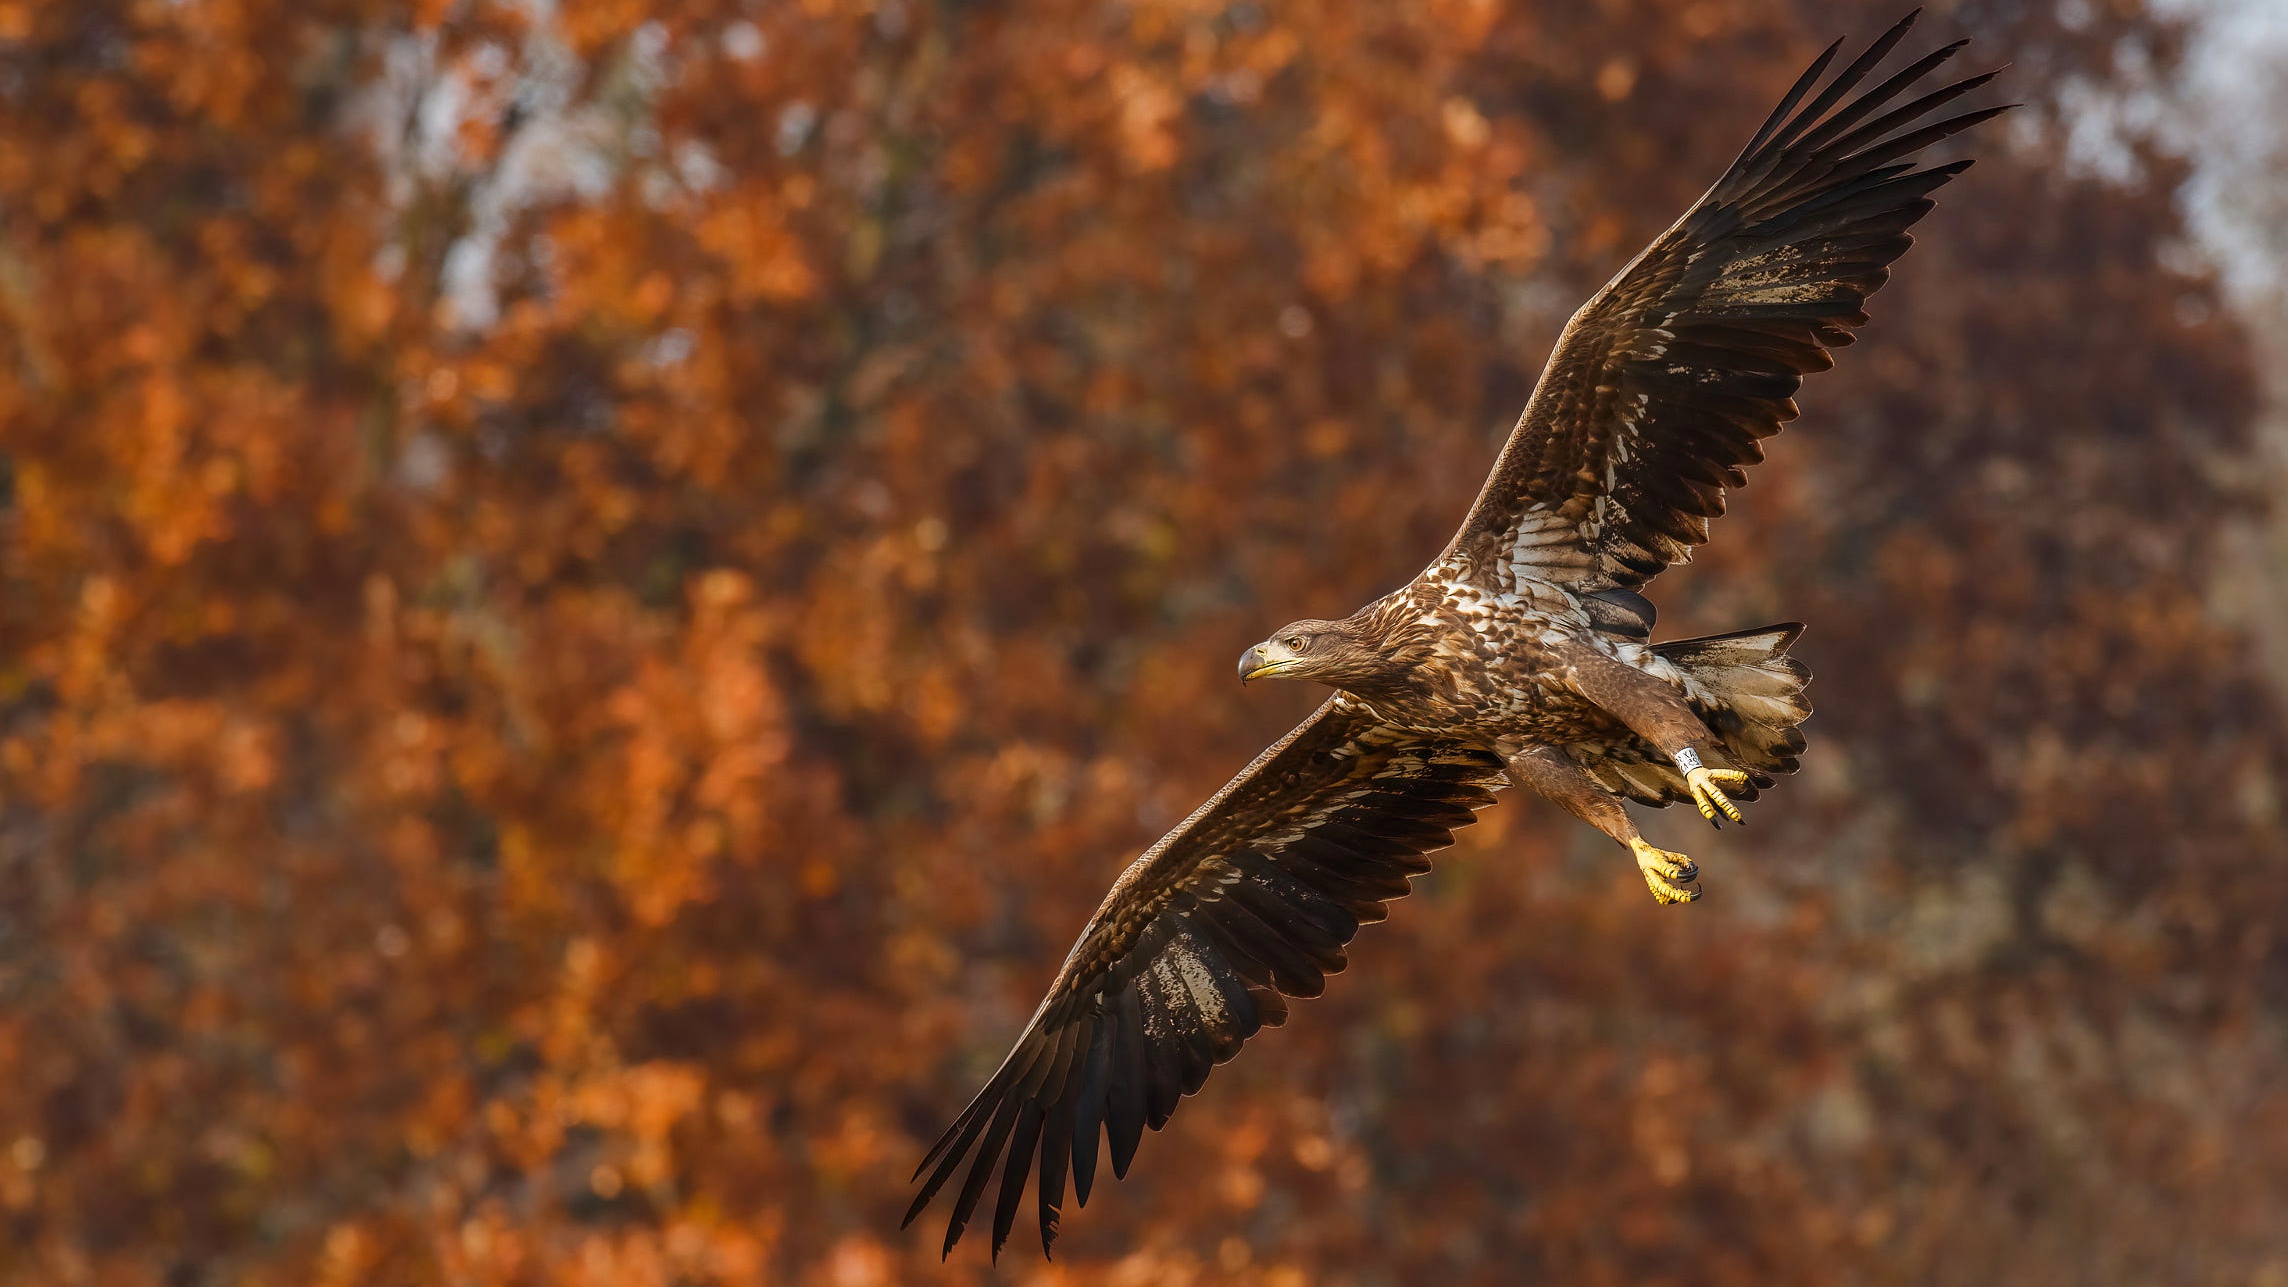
pixel 1267 658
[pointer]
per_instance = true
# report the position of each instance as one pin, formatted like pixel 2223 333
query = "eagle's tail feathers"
pixel 1750 692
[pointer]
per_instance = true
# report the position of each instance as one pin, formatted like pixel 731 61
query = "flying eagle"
pixel 1522 655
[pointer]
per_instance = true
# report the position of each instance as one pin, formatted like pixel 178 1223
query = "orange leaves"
pixel 1148 108
pixel 854 649
pixel 747 233
pixel 701 733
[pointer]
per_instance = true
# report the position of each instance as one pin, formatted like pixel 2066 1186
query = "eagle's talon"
pixel 1668 875
pixel 1708 787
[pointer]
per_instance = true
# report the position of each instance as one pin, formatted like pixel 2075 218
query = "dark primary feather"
pixel 1253 896
pixel 1663 385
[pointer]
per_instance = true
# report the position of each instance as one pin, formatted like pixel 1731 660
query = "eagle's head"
pixel 1331 652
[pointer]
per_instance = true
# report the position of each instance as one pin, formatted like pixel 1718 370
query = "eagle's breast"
pixel 1479 662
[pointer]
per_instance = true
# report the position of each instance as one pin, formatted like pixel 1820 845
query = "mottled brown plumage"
pixel 1522 655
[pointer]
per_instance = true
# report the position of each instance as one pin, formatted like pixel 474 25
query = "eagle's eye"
pixel 1296 643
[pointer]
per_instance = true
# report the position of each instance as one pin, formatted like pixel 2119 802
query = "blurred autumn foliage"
pixel 593 592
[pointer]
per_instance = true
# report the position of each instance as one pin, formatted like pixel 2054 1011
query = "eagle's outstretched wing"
pixel 1662 384
pixel 1252 896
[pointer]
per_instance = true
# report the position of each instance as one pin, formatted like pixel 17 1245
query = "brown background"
pixel 590 600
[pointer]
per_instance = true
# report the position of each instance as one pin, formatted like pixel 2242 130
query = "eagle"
pixel 1522 655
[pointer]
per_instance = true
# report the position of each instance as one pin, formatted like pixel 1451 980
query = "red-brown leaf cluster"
pixel 590 592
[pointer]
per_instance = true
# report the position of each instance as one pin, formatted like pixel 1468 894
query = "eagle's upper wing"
pixel 1662 384
pixel 1252 896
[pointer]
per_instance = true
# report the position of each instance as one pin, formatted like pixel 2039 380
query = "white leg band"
pixel 1687 760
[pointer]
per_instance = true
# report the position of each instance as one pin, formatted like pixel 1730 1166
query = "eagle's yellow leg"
pixel 1552 773
pixel 1668 875
pixel 1708 787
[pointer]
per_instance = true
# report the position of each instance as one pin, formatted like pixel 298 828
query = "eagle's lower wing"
pixel 1252 896
pixel 1662 385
